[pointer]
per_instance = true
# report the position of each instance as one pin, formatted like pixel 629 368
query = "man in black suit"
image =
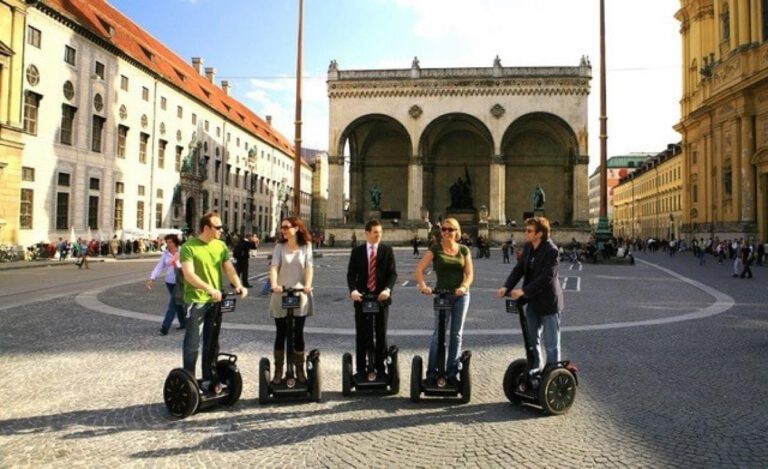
pixel 380 259
pixel 541 290
pixel 242 254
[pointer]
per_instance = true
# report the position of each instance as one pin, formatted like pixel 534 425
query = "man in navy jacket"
pixel 541 290
pixel 359 282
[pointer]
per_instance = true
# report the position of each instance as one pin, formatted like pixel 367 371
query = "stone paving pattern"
pixel 83 388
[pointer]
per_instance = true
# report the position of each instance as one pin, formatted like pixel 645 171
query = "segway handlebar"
pixel 291 290
pixel 443 292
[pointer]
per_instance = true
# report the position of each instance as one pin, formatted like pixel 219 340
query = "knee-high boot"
pixel 298 361
pixel 279 361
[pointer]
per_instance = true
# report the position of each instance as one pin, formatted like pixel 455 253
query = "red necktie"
pixel 372 271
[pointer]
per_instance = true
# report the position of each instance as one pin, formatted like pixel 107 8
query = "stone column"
pixel 358 198
pixel 335 190
pixel 497 199
pixel 755 21
pixel 415 189
pixel 743 22
pixel 747 174
pixel 581 191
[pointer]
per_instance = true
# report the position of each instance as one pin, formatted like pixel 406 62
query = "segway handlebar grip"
pixel 289 290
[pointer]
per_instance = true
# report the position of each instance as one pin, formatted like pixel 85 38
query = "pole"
pixel 603 121
pixel 297 138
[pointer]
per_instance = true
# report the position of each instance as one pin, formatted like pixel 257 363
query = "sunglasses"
pixel 217 227
pixel 448 229
pixel 286 227
pixel 530 230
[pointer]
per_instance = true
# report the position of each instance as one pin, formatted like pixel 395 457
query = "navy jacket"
pixel 357 272
pixel 541 284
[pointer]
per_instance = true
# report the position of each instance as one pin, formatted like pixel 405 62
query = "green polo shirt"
pixel 207 260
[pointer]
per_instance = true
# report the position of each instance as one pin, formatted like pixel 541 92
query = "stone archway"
pixel 454 146
pixel 379 152
pixel 540 148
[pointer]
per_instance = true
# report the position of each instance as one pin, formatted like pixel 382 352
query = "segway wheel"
pixel 346 374
pixel 394 376
pixel 181 393
pixel 264 379
pixel 466 384
pixel 314 377
pixel 513 377
pixel 557 391
pixel 416 374
pixel 231 377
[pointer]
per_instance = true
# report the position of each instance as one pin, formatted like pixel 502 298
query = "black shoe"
pixel 452 380
pixel 183 326
pixel 163 331
pixel 248 285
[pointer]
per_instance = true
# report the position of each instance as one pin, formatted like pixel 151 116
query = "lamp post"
pixel 297 138
pixel 603 232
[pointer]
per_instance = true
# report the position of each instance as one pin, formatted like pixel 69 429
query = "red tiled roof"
pixel 97 16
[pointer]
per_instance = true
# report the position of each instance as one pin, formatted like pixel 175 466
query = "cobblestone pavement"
pixel 670 356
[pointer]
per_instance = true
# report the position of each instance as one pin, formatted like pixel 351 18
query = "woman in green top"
pixel 452 264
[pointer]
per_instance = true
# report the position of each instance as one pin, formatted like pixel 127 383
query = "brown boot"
pixel 279 361
pixel 298 361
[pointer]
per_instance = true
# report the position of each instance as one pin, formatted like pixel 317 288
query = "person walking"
pixel 242 255
pixel 371 270
pixel 452 264
pixel 541 291
pixel 202 261
pixel 291 266
pixel 169 265
pixel 415 244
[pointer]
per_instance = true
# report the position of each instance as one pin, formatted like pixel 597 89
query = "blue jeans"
pixel 454 330
pixel 267 288
pixel 550 324
pixel 173 309
pixel 201 320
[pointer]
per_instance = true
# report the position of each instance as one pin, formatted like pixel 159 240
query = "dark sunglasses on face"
pixel 217 227
pixel 285 227
pixel 448 229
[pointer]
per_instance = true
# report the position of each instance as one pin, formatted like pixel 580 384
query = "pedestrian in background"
pixel 170 266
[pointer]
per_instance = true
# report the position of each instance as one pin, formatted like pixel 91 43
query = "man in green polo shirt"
pixel 202 260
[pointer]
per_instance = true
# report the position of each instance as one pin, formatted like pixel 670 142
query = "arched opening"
pixel 539 149
pixel 457 150
pixel 379 150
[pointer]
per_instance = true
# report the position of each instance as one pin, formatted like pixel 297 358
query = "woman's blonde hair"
pixel 453 223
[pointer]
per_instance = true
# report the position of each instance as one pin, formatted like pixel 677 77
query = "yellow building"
pixel 724 117
pixel 648 202
pixel 12 25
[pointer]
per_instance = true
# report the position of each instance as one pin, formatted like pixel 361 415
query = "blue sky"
pixel 252 43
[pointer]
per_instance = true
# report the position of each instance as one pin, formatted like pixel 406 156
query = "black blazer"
pixel 357 272
pixel 541 284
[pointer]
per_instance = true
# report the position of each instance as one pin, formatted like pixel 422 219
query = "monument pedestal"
pixel 372 215
pixel 465 216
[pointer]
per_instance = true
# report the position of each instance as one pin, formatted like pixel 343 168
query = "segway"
pixel 372 381
pixel 441 386
pixel 553 390
pixel 289 386
pixel 184 395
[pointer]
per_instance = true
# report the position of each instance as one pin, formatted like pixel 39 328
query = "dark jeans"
pixel 205 319
pixel 282 332
pixel 241 266
pixel 364 336
pixel 173 309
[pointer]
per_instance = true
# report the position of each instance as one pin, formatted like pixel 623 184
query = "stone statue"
pixel 415 63
pixel 375 197
pixel 539 198
pixel 461 192
pixel 333 67
pixel 497 61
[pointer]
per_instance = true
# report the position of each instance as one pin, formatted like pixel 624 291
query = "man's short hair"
pixel 541 225
pixel 371 223
pixel 205 220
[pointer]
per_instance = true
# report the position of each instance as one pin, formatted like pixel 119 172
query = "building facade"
pixel 12 21
pixel 648 202
pixel 618 168
pixel 467 142
pixel 724 117
pixel 123 136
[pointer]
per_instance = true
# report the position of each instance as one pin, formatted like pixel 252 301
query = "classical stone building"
pixel 618 167
pixel 469 141
pixel 648 202
pixel 123 136
pixel 12 14
pixel 724 124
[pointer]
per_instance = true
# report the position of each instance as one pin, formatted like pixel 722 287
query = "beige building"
pixel 467 142
pixel 12 16
pixel 648 202
pixel 724 124
pixel 618 167
pixel 123 136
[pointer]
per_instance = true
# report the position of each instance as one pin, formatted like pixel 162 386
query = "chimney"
pixel 269 120
pixel 225 86
pixel 197 62
pixel 210 74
